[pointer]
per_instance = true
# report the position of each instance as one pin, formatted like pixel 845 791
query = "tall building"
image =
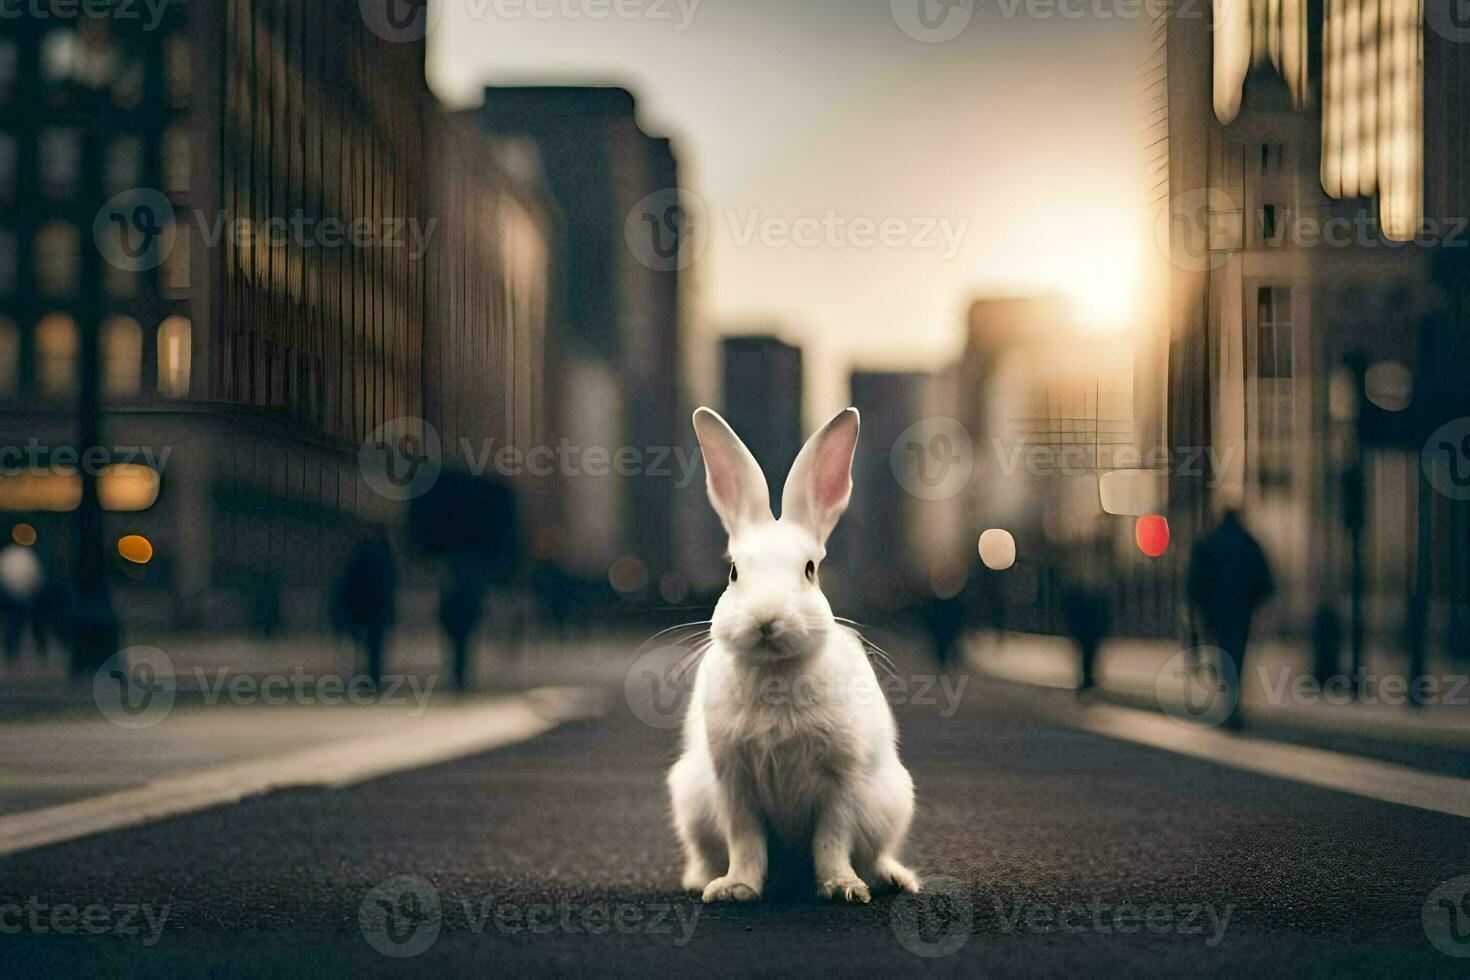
pixel 762 402
pixel 880 545
pixel 281 244
pixel 618 296
pixel 1315 163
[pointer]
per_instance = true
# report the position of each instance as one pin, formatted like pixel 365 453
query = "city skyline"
pixel 1004 175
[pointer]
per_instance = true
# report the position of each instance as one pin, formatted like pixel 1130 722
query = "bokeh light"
pixel 1152 534
pixel 23 534
pixel 135 548
pixel 997 549
pixel 628 575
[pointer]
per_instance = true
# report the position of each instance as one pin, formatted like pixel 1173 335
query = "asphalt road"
pixel 1047 851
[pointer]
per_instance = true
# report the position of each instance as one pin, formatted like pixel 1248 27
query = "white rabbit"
pixel 789 744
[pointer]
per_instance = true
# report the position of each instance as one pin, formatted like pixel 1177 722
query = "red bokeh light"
pixel 1152 534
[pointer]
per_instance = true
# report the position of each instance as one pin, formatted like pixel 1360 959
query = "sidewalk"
pixel 226 718
pixel 1278 699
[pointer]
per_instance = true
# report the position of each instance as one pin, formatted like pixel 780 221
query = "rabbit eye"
pixel 734 573
pixel 811 571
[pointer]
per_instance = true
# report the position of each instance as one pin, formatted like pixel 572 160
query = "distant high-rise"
pixel 618 302
pixel 880 545
pixel 762 402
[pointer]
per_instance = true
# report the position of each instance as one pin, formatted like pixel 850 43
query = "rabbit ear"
pixel 737 489
pixel 820 482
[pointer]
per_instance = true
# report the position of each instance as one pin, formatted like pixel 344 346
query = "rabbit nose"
pixel 768 629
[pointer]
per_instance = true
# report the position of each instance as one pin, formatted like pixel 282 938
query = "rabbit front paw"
pixel 730 889
pixel 844 888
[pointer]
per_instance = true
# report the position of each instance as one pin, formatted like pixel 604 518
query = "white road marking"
pixel 1338 771
pixel 447 732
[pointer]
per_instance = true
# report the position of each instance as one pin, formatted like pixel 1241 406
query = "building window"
pixel 1273 332
pixel 9 68
pixel 124 168
pixel 127 90
pixel 174 344
pixel 120 283
pixel 178 70
pixel 56 258
pixel 122 356
pixel 7 169
pixel 9 357
pixel 58 56
pixel 56 355
pixel 1272 157
pixel 176 159
pixel 1274 370
pixel 59 162
pixel 8 259
pixel 175 282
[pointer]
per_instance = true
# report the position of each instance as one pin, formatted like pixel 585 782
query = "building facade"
pixel 247 206
pixel 1308 199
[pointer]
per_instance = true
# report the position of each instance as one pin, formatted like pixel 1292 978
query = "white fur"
pixel 789 744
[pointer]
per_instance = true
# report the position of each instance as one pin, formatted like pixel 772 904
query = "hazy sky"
pixel 1003 159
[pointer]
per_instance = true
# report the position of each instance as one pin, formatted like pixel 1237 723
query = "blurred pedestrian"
pixel 23 588
pixel 365 599
pixel 1088 619
pixel 461 604
pixel 1229 579
pixel 947 611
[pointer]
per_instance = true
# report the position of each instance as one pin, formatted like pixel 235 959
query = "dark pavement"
pixel 1064 853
